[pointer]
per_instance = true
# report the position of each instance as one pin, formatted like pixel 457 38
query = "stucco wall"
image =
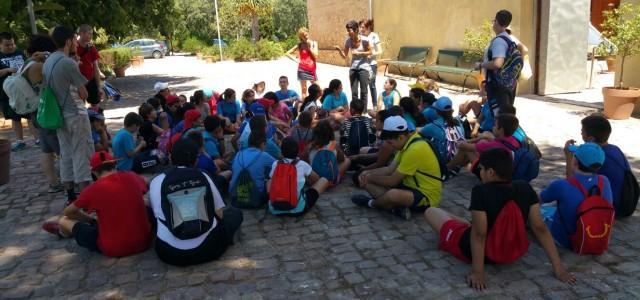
pixel 441 24
pixel 327 20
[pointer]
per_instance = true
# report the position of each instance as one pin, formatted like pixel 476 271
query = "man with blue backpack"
pixel 413 181
pixel 502 67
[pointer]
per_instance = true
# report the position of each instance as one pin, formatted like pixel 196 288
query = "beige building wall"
pixel 441 24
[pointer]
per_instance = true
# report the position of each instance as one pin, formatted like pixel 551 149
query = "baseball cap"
pixel 159 86
pixel 171 99
pixel 589 154
pixel 94 115
pixel 417 85
pixel 393 126
pixel 257 109
pixel 443 104
pixel 99 158
pixel 266 102
pixel 190 117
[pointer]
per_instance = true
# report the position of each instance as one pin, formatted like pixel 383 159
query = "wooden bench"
pixel 450 61
pixel 408 56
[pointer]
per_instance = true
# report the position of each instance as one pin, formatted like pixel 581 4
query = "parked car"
pixel 216 42
pixel 148 47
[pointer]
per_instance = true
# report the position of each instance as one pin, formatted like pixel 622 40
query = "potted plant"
pixel 622 27
pixel 121 60
pixel 607 52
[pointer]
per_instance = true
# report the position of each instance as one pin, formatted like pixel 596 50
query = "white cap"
pixel 159 86
pixel 392 125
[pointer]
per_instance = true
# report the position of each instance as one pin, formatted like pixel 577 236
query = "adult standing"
pixel 366 27
pixel 88 64
pixel 308 53
pixel 360 69
pixel 62 74
pixel 498 95
pixel 11 61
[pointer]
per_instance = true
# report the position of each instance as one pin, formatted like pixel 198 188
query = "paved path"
pixel 337 251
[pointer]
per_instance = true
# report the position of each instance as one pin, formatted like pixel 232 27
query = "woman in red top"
pixel 308 52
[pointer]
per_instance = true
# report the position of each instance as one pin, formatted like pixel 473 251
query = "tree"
pixel 289 16
pixel 254 9
pixel 622 27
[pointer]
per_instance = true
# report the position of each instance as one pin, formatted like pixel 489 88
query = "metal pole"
pixel 370 10
pixel 218 26
pixel 32 17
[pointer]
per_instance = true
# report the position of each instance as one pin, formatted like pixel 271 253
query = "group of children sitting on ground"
pixel 286 152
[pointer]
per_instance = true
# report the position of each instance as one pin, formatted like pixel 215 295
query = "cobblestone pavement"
pixel 337 251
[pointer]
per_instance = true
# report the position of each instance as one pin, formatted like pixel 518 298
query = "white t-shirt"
pixel 163 232
pixel 374 39
pixel 313 104
pixel 303 170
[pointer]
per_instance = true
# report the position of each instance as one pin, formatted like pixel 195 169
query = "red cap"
pixel 100 158
pixel 191 116
pixel 171 99
pixel 266 102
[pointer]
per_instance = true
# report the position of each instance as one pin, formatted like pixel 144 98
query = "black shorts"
pixel 10 114
pixel 92 90
pixel 86 236
pixel 503 96
pixel 417 198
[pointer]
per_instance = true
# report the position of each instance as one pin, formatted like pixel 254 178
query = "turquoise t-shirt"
pixel 331 102
pixel 387 99
pixel 122 143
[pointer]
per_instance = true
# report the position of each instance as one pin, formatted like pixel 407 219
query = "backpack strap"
pixel 506 144
pixel 574 181
pixel 434 152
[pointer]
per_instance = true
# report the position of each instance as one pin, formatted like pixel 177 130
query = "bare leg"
pixel 48 168
pixel 33 129
pixel 66 226
pixel 17 129
pixel 344 166
pixel 303 88
pixel 321 185
pixel 436 217
pixel 393 198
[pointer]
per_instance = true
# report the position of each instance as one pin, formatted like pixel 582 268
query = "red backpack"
pixel 507 241
pixel 594 222
pixel 283 191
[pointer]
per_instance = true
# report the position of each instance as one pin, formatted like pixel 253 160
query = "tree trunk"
pixel 255 35
pixel 622 70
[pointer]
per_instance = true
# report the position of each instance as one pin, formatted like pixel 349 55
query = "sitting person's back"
pixel 254 161
pixel 357 131
pixel 445 131
pixel 196 228
pixel 259 123
pixel 325 155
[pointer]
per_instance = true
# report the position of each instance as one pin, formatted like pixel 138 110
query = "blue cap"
pixel 588 154
pixel 443 104
pixel 430 114
pixel 257 109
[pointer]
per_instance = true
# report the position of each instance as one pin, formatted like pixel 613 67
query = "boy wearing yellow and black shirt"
pixel 411 182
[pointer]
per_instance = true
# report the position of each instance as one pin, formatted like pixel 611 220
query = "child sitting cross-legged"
pixel 278 187
pixel 497 232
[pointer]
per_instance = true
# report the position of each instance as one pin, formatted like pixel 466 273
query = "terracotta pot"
pixel 611 64
pixel 199 55
pixel 619 103
pixel 140 58
pixel 135 62
pixel 209 59
pixel 119 71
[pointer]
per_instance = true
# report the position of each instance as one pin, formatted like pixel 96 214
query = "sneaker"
pixel 37 143
pixel 55 188
pixel 402 212
pixel 18 145
pixel 361 200
pixel 52 227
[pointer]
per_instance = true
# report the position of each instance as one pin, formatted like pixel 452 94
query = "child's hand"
pixel 565 276
pixel 363 178
pixel 475 280
pixel 568 143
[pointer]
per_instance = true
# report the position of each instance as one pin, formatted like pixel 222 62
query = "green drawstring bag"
pixel 49 114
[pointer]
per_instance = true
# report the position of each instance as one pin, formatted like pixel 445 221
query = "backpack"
pixel 302 141
pixel 325 164
pixel 594 222
pixel 452 135
pixel 526 165
pixel 507 75
pixel 630 192
pixel 283 191
pixel 163 142
pixel 507 240
pixel 245 192
pixel 23 99
pixel 358 137
pixel 444 175
pixel 187 203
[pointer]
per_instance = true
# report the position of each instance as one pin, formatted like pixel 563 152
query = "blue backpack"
pixel 526 164
pixel 325 164
pixel 507 76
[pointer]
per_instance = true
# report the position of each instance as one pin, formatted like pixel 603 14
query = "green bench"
pixel 408 56
pixel 450 61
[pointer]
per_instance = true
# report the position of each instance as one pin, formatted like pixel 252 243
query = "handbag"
pixel 49 111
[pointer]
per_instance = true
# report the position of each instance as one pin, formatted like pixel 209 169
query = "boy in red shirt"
pixel 122 226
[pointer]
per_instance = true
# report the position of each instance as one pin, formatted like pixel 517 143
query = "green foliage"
pixel 288 17
pixel 290 42
pixel 119 57
pixel 193 45
pixel 268 50
pixel 242 50
pixel 622 27
pixel 475 41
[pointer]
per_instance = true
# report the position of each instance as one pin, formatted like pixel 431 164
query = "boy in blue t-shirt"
pixel 589 157
pixel 597 129
pixel 130 156
pixel 213 135
pixel 286 95
pixel 255 160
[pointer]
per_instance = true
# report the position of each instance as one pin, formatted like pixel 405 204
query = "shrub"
pixel 267 50
pixel 242 50
pixel 193 45
pixel 475 40
pixel 119 57
pixel 290 42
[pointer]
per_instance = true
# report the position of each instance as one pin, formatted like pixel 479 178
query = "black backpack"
pixel 358 136
pixel 187 203
pixel 630 192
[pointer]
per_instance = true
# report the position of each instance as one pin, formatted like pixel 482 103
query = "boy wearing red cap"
pixel 122 227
